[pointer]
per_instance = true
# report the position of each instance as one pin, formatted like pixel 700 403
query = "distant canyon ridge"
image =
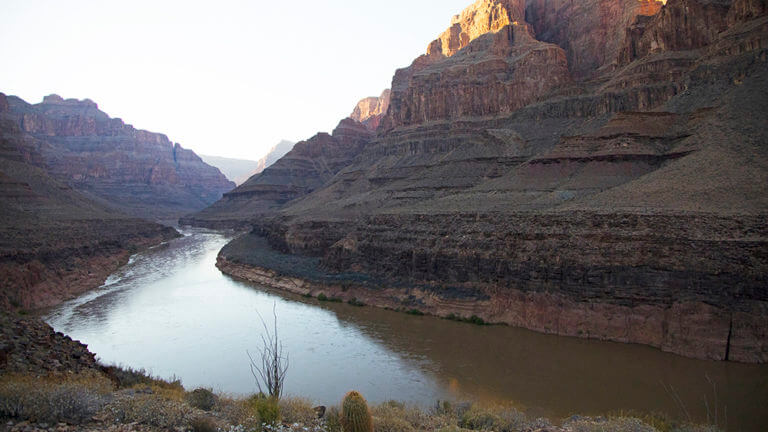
pixel 80 191
pixel 593 169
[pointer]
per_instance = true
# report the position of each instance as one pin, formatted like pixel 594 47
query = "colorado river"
pixel 171 312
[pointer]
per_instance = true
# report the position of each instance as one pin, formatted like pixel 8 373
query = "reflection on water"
pixel 172 312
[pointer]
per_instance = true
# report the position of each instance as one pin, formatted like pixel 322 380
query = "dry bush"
pixel 617 424
pixel 396 416
pixel 149 409
pixel 201 398
pixel 129 378
pixel 496 418
pixel 63 398
pixel 297 410
pixel 203 424
pixel 237 412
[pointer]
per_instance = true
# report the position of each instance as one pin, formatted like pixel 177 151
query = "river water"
pixel 171 312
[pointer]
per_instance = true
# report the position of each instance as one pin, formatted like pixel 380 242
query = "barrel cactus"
pixel 355 415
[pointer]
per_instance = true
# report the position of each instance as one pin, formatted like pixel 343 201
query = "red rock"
pixel 139 172
pixel 371 110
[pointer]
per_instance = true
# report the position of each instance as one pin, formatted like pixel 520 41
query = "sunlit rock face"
pixel 488 62
pixel 591 31
pixel 139 172
pixel 369 111
pixel 592 168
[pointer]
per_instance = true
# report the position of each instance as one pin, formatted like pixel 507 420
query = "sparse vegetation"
pixel 66 398
pixel 155 403
pixel 474 319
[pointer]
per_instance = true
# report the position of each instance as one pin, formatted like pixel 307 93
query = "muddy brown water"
pixel 171 312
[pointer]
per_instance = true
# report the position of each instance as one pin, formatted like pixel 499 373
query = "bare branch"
pixel 270 372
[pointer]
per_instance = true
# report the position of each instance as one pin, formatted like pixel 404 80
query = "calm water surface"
pixel 173 313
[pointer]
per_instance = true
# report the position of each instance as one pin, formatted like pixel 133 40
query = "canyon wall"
pixel 55 242
pixel 592 169
pixel 141 173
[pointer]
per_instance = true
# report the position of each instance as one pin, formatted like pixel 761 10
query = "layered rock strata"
pixel 141 173
pixel 55 242
pixel 306 167
pixel 371 110
pixel 591 169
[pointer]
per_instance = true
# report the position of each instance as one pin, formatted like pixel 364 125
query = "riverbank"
pixel 43 266
pixel 686 327
pixel 50 383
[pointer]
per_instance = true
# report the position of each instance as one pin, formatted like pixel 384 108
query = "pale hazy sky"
pixel 226 77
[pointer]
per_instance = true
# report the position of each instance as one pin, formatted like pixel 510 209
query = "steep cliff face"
pixel 141 173
pixel 371 110
pixel 486 63
pixel 54 241
pixel 591 169
pixel 591 32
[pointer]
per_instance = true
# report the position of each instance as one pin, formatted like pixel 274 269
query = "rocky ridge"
pixel 141 173
pixel 55 242
pixel 549 159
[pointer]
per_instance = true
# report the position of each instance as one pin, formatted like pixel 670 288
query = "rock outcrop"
pixel 371 110
pixel 591 169
pixel 28 345
pixel 139 172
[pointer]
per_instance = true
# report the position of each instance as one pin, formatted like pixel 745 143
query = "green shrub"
pixel 201 398
pixel 322 297
pixel 414 312
pixel 355 415
pixel 355 302
pixel 70 399
pixel 265 408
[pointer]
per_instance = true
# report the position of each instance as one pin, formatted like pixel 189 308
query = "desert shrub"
pixel 203 424
pixel 70 399
pixel 237 412
pixel 393 415
pixel 601 424
pixel 265 408
pixel 297 410
pixel 126 377
pixel 333 420
pixel 148 409
pixel 501 419
pixel 201 398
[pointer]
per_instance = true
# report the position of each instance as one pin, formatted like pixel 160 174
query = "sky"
pixel 228 77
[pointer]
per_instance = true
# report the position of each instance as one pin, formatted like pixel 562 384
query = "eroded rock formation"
pixel 371 110
pixel 309 165
pixel 55 241
pixel 592 169
pixel 139 172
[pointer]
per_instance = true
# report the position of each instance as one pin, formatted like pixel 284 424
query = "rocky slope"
pixel 54 241
pixel 306 167
pixel 139 172
pixel 593 169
